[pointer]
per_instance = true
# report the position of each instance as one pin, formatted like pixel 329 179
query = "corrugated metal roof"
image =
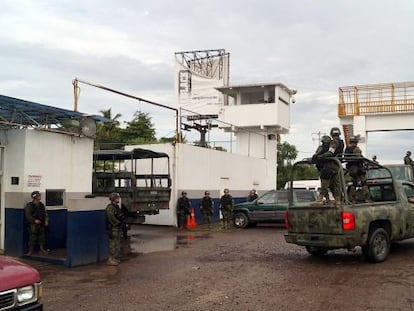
pixel 16 112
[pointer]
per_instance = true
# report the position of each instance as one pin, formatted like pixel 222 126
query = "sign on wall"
pixel 34 180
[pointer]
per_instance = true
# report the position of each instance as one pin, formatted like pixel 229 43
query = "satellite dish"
pixel 88 127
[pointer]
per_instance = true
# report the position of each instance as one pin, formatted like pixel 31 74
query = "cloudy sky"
pixel 314 46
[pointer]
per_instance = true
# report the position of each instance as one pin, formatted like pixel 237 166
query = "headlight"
pixel 25 294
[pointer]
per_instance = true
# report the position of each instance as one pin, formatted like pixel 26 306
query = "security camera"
pixel 293 100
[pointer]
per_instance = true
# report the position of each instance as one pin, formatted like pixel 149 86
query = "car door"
pixel 263 207
pixel 279 208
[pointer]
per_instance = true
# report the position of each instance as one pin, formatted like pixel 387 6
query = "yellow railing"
pixel 376 99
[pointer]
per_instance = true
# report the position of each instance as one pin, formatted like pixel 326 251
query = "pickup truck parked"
pixel 20 286
pixel 370 225
pixel 270 207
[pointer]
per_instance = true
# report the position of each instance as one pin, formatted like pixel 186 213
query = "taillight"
pixel 348 221
pixel 287 220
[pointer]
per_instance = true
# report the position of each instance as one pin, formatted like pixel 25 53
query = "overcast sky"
pixel 313 46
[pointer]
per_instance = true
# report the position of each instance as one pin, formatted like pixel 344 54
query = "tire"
pixel 241 220
pixel 316 251
pixel 378 246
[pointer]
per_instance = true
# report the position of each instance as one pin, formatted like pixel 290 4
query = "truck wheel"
pixel 316 251
pixel 378 246
pixel 241 220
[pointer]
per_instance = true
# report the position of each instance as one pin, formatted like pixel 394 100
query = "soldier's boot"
pixel 319 201
pixel 30 251
pixel 43 250
pixel 112 262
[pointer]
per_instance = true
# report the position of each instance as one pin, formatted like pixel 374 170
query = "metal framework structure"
pixel 376 99
pixel 207 63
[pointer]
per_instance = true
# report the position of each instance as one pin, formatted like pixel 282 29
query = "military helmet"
pixel 114 195
pixel 326 139
pixel 408 153
pixel 335 131
pixel 354 139
pixel 35 194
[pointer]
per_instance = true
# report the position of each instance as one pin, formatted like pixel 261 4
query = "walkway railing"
pixel 376 99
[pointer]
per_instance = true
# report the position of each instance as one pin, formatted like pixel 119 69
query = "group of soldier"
pixel 207 208
pixel 333 146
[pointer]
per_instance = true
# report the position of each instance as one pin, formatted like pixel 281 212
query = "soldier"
pixel 114 219
pixel 319 163
pixel 252 196
pixel 374 159
pixel 408 160
pixel 207 208
pixel 329 172
pixel 183 210
pixel 226 207
pixel 37 222
pixel 356 171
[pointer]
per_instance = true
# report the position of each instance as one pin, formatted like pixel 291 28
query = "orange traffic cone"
pixel 191 223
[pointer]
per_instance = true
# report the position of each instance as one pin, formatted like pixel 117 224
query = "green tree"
pixel 139 130
pixel 286 154
pixel 107 135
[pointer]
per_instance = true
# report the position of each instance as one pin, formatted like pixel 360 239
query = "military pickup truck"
pixel 369 225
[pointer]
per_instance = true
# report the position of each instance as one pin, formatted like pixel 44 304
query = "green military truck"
pixel 140 176
pixel 369 225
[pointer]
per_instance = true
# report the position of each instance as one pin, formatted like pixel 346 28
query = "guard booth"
pixel 50 150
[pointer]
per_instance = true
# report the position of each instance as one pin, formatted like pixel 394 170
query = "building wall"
pixel 196 169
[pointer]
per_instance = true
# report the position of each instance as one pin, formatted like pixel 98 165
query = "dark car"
pixel 268 208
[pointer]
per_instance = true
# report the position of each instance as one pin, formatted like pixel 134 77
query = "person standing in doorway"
pixel 226 207
pixel 37 221
pixel 183 210
pixel 114 225
pixel 207 208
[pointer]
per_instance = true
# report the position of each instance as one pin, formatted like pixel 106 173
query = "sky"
pixel 314 46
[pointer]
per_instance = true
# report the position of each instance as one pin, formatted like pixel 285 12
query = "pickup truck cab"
pixel 370 225
pixel 268 208
pixel 20 286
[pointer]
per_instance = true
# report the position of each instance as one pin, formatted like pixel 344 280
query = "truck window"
pixel 381 193
pixel 409 190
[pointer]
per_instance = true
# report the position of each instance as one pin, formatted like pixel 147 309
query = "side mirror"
pixel 411 200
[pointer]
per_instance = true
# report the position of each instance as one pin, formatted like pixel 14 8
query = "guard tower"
pixel 375 107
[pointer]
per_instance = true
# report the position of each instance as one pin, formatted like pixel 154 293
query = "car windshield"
pixel 268 198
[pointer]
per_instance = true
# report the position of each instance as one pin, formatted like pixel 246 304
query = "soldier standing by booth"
pixel 37 222
pixel 183 210
pixel 115 219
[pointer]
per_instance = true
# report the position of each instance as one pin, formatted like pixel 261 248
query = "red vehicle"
pixel 20 286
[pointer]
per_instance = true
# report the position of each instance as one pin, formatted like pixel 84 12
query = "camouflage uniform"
pixel 252 196
pixel 114 223
pixel 357 172
pixel 329 172
pixel 183 210
pixel 206 208
pixel 226 207
pixel 408 160
pixel 37 221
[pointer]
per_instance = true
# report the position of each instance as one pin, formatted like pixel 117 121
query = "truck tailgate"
pixel 319 220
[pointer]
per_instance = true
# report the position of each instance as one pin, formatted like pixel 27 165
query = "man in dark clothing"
pixel 114 219
pixel 206 208
pixel 226 207
pixel 252 196
pixel 183 210
pixel 408 160
pixel 37 221
pixel 356 171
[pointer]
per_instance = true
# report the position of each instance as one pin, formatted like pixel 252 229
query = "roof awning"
pixel 20 113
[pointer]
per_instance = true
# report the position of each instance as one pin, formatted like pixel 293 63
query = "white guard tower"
pixel 254 113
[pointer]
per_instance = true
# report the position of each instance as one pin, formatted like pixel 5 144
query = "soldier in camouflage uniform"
pixel 37 222
pixel 329 172
pixel 226 207
pixel 319 163
pixel 114 218
pixel 183 210
pixel 207 208
pixel 356 171
pixel 407 159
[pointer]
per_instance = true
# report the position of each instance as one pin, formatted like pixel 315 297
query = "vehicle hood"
pixel 15 274
pixel 244 204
